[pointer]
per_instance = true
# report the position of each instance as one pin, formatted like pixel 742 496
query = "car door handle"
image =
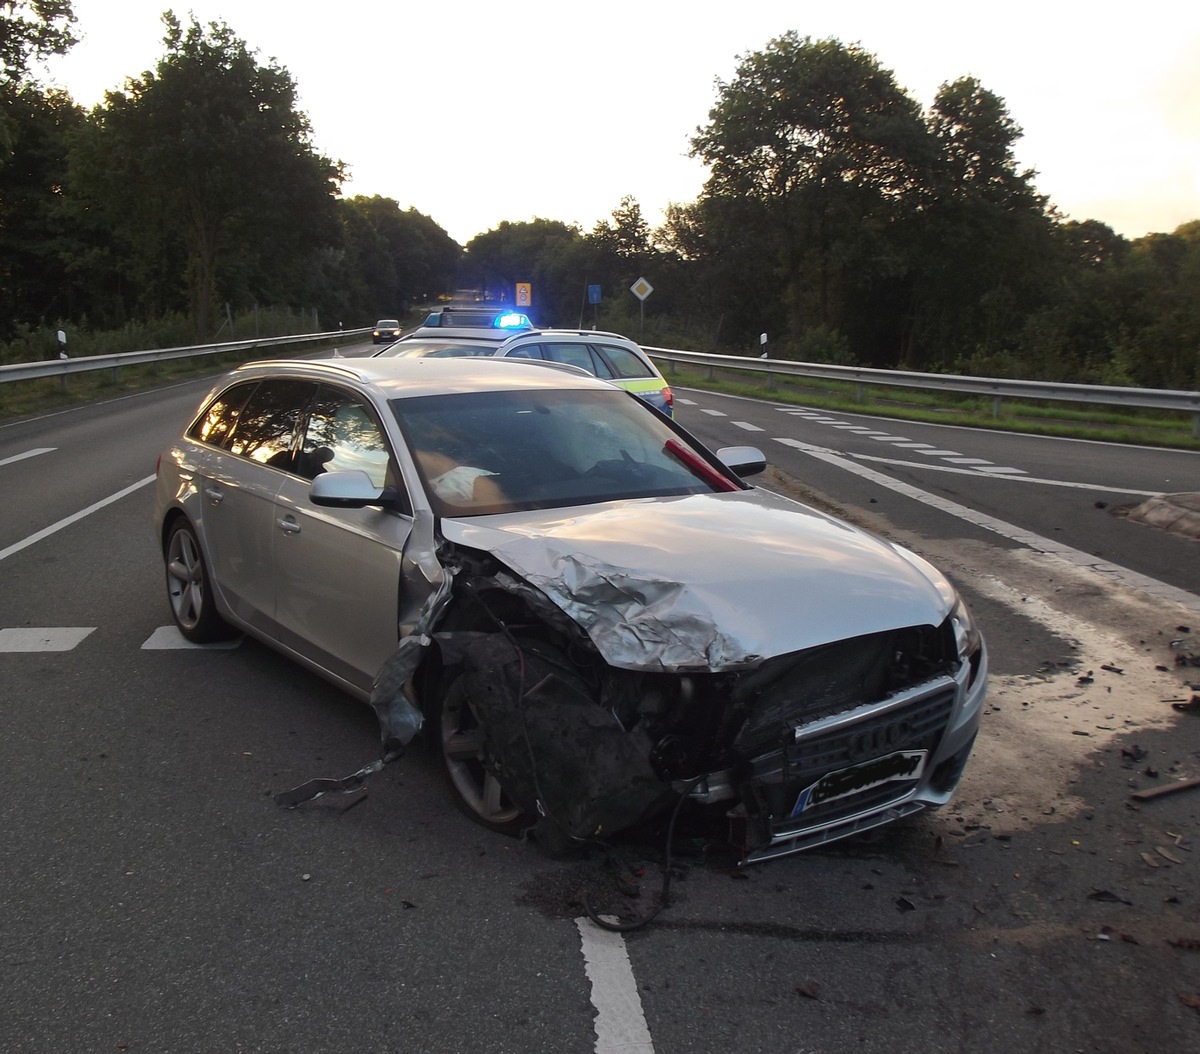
pixel 288 525
pixel 214 494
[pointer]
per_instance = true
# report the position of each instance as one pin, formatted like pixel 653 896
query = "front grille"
pixel 777 778
pixel 809 686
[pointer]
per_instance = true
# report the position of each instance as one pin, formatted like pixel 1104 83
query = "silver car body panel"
pixel 723 584
pixel 709 581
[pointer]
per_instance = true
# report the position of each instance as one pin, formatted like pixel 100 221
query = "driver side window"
pixel 342 433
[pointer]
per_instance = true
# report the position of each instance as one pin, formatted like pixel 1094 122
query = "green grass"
pixel 1074 421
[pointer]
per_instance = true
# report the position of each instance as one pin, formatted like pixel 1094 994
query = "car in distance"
pixel 610 356
pixel 476 316
pixel 386 330
pixel 594 618
pixel 607 355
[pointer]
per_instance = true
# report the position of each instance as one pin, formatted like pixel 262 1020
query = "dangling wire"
pixel 664 894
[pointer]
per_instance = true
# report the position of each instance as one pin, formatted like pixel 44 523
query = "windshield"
pixel 487 452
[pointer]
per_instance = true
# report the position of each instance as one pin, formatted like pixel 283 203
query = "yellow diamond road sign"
pixel 641 289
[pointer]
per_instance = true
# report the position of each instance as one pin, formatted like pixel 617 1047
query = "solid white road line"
pixel 1037 542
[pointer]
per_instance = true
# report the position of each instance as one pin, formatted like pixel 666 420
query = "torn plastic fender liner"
pixel 399 717
pixel 557 752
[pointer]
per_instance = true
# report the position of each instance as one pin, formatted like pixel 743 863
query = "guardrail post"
pixel 711 375
pixel 1196 426
pixel 996 401
pixel 115 368
pixel 770 381
pixel 860 392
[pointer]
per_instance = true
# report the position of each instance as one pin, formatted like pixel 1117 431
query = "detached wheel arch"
pixel 189 587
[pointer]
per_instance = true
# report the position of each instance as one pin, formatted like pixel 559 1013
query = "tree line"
pixel 839 217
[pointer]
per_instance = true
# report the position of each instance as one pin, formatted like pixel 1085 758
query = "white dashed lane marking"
pixel 67 638
pixel 43 638
pixel 27 454
pixel 747 426
pixel 168 638
pixel 952 457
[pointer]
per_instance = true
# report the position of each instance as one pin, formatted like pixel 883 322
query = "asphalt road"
pixel 155 898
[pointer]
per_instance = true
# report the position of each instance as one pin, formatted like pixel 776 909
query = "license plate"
pixel 902 765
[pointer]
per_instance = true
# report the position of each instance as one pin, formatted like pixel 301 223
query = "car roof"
pixel 402 378
pixel 456 334
pixel 569 334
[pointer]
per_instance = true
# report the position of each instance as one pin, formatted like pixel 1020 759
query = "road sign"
pixel 641 289
pixel 593 294
pixel 524 295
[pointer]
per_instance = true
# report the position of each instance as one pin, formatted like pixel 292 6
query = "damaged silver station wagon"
pixel 591 614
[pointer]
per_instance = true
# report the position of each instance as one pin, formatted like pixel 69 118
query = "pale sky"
pixel 479 112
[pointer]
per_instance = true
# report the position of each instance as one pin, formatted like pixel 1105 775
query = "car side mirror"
pixel 743 461
pixel 348 489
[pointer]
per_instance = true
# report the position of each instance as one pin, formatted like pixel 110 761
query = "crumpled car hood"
pixel 710 581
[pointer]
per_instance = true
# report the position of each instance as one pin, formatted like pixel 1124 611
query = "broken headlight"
pixel 966 634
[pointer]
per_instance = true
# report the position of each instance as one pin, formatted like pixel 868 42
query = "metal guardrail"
pixel 998 389
pixel 24 371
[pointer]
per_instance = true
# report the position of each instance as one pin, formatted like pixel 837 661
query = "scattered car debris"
pixel 1107 897
pixel 1192 706
pixel 1166 788
pixel 1187 944
pixel 809 989
pixel 1112 669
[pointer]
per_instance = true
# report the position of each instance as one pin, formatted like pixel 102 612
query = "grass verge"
pixel 1073 421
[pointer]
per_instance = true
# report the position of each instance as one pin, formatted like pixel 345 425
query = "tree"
pixel 36 243
pixel 552 255
pixel 628 236
pixel 979 249
pixel 405 257
pixel 822 137
pixel 209 152
pixel 32 30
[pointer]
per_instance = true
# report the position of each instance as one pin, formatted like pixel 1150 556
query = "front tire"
pixel 462 750
pixel 189 588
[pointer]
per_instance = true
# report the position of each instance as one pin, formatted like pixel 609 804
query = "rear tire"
pixel 189 588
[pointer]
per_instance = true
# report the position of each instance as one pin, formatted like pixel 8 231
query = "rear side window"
pixel 526 351
pixel 578 355
pixel 220 417
pixel 624 363
pixel 266 427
